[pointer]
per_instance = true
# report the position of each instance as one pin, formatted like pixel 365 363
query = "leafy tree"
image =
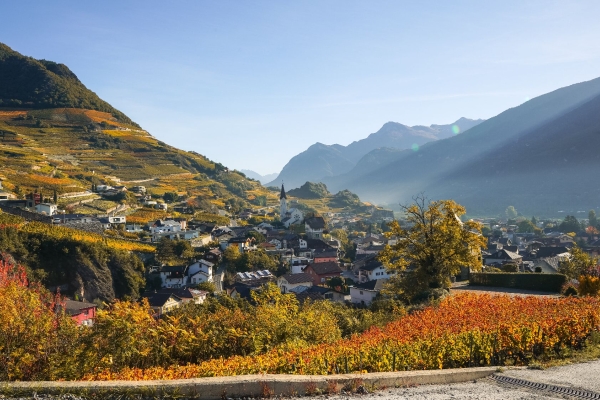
pixel 534 221
pixel 231 255
pixel 183 249
pixel 578 264
pixel 432 247
pixel 526 226
pixel 511 212
pixel 593 220
pixel 569 224
pixel 170 197
pixel 206 286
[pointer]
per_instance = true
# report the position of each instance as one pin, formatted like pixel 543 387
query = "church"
pixel 291 216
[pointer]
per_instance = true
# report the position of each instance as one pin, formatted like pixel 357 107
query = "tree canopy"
pixel 432 246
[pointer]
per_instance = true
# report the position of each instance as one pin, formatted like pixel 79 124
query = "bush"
pixel 589 285
pixel 570 291
pixel 541 282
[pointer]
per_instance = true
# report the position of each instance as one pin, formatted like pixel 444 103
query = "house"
pixel 213 255
pixel 174 276
pixel 314 293
pixel 200 271
pixel 320 272
pixel 187 295
pixel 373 270
pixel 117 219
pixel 139 189
pixel 290 281
pixel 108 222
pixel 74 218
pixel 325 256
pixel 297 264
pixel 263 276
pixel 6 196
pixel 160 226
pixel 314 227
pixel 46 208
pixel 81 312
pixel 162 303
pixel 503 256
pixel 134 228
pixel 181 235
pixel 242 243
pixel 365 293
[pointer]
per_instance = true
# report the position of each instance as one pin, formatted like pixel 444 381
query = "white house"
pixel 46 208
pixel 365 293
pixel 314 227
pixel 117 219
pixel 169 225
pixel 288 282
pixel 372 271
pixel 200 271
pixel 174 276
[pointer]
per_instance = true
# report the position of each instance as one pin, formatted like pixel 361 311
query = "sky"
pixel 250 84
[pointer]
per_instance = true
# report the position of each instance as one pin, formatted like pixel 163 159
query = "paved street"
pixel 584 377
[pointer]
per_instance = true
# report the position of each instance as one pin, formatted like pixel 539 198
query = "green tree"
pixel 206 286
pixel 526 226
pixel 432 247
pixel 511 212
pixel 578 264
pixel 570 224
pixel 593 220
pixel 534 221
pixel 170 197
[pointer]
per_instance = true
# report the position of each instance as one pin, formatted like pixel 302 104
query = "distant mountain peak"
pixel 320 160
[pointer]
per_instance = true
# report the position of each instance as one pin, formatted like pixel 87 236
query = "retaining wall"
pixel 216 388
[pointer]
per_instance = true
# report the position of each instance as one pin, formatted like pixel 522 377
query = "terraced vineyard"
pixel 66 150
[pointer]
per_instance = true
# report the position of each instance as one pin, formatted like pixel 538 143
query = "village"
pixel 313 257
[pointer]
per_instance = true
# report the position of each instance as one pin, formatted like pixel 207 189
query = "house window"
pixel 322 279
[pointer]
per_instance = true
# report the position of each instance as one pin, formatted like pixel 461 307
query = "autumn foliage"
pixel 274 334
pixel 34 332
pixel 464 330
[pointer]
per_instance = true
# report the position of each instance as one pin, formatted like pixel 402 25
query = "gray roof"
pixel 315 222
pixel 375 285
pixel 297 278
pixel 329 267
pixel 73 307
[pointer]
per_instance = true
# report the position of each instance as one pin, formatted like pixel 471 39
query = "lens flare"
pixel 455 129
pixel 415 147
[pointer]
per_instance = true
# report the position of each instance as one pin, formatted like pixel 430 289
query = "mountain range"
pixel 320 161
pixel 541 157
pixel 264 179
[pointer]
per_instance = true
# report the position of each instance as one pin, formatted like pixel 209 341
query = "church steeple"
pixel 282 203
pixel 282 194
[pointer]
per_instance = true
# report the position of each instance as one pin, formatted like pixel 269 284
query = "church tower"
pixel 282 203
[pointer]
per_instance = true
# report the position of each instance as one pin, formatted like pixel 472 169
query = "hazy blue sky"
pixel 252 83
